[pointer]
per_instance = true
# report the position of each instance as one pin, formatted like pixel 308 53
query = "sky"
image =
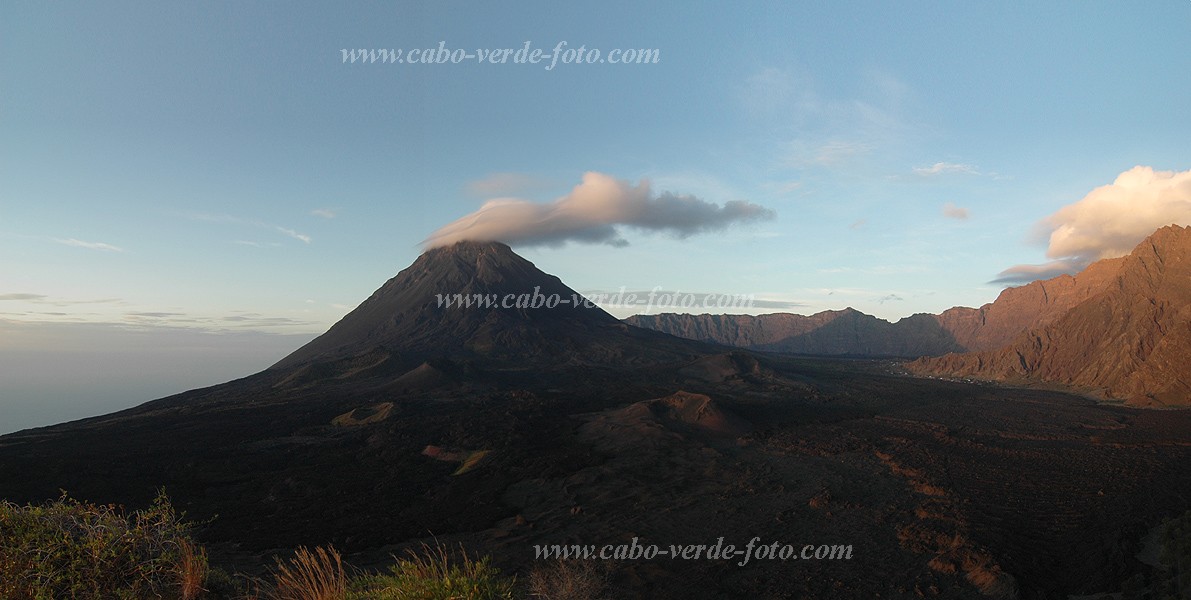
pixel 189 191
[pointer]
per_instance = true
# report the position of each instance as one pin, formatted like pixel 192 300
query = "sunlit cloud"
pixel 1109 221
pixel 593 212
pixel 88 245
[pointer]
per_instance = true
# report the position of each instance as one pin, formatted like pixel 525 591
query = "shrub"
pixel 569 580
pixel 431 575
pixel 70 549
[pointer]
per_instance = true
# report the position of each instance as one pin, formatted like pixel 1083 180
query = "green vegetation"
pixel 431 575
pixel 70 549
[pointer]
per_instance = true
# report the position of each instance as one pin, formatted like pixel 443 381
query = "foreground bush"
pixel 70 549
pixel 66 549
pixel 431 575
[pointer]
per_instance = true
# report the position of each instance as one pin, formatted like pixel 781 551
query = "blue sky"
pixel 183 169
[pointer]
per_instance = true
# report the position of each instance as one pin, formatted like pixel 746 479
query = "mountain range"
pixel 1120 328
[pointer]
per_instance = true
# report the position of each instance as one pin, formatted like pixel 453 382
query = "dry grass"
pixel 316 575
pixel 192 569
pixel 569 580
pixel 432 574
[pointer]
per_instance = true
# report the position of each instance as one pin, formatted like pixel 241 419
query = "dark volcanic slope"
pixel 589 431
pixel 1132 339
pixel 405 319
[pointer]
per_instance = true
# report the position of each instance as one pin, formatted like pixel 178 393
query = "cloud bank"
pixel 1109 221
pixel 592 213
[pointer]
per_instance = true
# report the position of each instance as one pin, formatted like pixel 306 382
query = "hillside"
pixel 1129 338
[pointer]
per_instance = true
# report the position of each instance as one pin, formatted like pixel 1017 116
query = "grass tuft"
pixel 311 575
pixel 432 575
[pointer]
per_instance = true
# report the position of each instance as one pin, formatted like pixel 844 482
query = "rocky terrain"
pixel 1119 329
pixel 499 429
pixel 853 333
pixel 1129 337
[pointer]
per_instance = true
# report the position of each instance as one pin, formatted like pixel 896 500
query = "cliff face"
pixel 1017 309
pixel 1121 327
pixel 1129 336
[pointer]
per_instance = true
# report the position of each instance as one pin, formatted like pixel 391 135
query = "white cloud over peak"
pixel 1109 221
pixel 592 212
pixel 1114 218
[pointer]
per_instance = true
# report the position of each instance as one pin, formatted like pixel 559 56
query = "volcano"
pixel 525 419
pixel 479 301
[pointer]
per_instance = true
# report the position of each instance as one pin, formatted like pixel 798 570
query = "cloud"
pixel 1019 274
pixel 325 213
pixel 294 234
pixel 22 297
pixel 591 213
pixel 942 168
pixel 830 153
pixel 505 184
pixel 951 211
pixel 234 220
pixel 1110 220
pixel 89 245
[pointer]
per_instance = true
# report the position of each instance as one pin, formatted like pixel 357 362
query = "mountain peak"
pixel 1126 336
pixel 468 298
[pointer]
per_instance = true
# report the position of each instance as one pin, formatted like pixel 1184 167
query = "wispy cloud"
pixel 234 220
pixel 325 213
pixel 830 153
pixel 33 297
pixel 88 245
pixel 256 244
pixel 592 212
pixel 943 168
pixel 294 234
pixel 951 211
pixel 1020 274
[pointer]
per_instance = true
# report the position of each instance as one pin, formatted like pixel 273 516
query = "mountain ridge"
pixel 1131 340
